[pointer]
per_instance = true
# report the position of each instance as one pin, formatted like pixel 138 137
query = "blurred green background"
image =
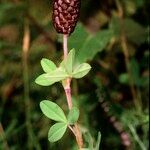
pixel 113 36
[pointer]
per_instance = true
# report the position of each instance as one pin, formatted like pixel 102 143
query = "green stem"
pixel 25 48
pixel 32 140
pixel 136 137
pixel 137 102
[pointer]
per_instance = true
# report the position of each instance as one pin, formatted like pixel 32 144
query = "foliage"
pixel 66 70
pixel 52 75
pixel 117 47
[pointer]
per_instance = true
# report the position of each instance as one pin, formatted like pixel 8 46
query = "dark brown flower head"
pixel 65 15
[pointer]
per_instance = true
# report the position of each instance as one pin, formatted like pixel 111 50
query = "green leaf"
pixel 88 45
pixel 57 131
pixel 135 71
pixel 98 141
pixel 139 3
pixel 48 65
pixel 133 31
pixel 93 45
pixel 52 111
pixel 73 115
pixel 92 145
pixel 81 34
pixel 43 80
pixel 115 26
pixel 89 139
pixel 124 78
pixel 69 62
pixel 81 70
pixel 52 77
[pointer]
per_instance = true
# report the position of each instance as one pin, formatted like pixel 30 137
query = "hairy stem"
pixel 67 89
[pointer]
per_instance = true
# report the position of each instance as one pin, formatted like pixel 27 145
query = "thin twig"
pixel 25 49
pixel 125 50
pixel 136 137
pixel 127 62
pixel 71 129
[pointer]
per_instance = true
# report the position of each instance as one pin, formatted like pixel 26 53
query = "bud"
pixel 65 15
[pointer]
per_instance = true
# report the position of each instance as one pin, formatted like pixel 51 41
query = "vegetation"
pixel 113 37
